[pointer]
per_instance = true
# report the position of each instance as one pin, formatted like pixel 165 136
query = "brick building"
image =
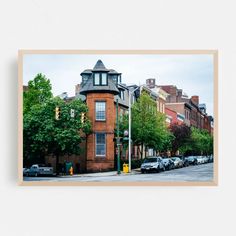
pixel 160 93
pixel 194 113
pixel 172 117
pixel 100 89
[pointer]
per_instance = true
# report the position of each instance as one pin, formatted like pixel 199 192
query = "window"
pixel 119 79
pixel 100 111
pixel 96 79
pixel 100 78
pixel 104 79
pixel 100 144
pixel 114 78
pixel 122 94
pixel 85 78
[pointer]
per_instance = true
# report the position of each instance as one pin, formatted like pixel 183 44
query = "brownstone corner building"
pixel 99 88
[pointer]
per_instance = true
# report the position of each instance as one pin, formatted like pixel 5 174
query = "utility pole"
pixel 117 138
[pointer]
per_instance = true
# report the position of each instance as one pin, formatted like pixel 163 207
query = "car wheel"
pixel 142 171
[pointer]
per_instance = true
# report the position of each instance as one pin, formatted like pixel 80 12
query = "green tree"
pixel 43 134
pixel 148 125
pixel 38 92
pixel 202 141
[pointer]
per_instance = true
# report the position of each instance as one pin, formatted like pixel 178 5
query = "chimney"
pixel 195 99
pixel 151 83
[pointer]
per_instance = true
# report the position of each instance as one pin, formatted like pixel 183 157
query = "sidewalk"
pixel 102 174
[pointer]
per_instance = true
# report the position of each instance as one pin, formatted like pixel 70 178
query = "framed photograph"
pixel 118 117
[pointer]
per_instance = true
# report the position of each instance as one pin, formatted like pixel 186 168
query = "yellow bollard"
pixel 125 168
pixel 71 170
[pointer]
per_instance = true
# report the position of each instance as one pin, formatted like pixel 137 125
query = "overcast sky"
pixel 192 73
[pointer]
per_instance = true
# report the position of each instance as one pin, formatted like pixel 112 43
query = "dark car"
pixel 192 160
pixel 211 159
pixel 168 163
pixel 185 161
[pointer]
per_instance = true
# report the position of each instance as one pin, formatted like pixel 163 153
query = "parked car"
pixel 168 163
pixel 152 164
pixel 40 169
pixel 185 161
pixel 200 160
pixel 177 162
pixel 192 160
pixel 25 172
pixel 211 159
pixel 205 159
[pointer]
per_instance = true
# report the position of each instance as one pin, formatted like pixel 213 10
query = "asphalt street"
pixel 199 173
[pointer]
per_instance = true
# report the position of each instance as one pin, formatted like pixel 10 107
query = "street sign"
pixel 72 113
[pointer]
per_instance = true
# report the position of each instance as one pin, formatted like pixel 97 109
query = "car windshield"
pixel 152 159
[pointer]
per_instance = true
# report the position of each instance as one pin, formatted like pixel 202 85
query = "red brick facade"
pixel 95 163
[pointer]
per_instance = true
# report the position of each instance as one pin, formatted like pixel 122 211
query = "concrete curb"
pixel 100 174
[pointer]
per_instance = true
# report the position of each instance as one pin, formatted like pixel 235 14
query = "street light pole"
pixel 117 138
pixel 130 96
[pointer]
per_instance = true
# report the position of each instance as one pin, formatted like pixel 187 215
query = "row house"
pixel 173 117
pixel 181 108
pixel 160 93
pixel 194 113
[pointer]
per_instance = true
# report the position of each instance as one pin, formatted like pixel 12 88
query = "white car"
pixel 152 164
pixel 200 160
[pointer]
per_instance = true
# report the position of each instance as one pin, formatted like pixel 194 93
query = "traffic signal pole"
pixel 117 139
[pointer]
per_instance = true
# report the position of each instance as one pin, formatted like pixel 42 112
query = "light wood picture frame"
pixel 23 53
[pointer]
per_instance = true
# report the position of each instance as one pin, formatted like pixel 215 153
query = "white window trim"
pixel 97 155
pixel 97 119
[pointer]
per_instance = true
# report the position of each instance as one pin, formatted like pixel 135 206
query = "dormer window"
pixel 96 78
pixel 85 78
pixel 100 78
pixel 104 78
pixel 114 78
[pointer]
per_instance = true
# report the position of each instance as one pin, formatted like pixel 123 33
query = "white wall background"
pixel 104 24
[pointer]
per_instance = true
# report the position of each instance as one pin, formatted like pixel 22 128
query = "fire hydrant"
pixel 71 170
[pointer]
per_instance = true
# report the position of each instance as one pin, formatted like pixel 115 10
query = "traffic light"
pixel 83 117
pixel 57 113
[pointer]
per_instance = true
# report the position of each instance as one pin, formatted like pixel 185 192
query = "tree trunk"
pixel 142 151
